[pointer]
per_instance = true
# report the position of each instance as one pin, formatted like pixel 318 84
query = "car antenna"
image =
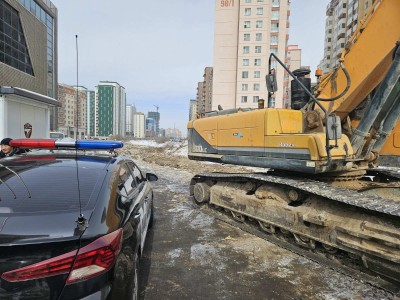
pixel 81 223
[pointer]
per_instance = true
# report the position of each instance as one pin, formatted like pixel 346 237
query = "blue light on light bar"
pixel 95 144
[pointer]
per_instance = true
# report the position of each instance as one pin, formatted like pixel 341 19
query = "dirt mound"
pixel 170 155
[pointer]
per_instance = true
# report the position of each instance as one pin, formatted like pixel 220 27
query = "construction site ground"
pixel 192 255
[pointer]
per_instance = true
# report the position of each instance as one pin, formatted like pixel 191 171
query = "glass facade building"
pixel 43 16
pixel 28 48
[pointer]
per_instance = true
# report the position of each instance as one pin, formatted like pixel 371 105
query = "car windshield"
pixel 48 186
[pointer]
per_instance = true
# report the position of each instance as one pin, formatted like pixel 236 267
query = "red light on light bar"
pixel 33 143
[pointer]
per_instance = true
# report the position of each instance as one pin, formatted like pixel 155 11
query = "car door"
pixel 130 194
pixel 144 195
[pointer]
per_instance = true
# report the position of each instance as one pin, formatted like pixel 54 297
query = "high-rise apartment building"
pixel 293 62
pixel 72 113
pixel 150 130
pixel 111 106
pixel 28 47
pixel 193 109
pixel 204 92
pixel 342 20
pixel 246 32
pixel 130 111
pixel 155 115
pixel 90 107
pixel 139 127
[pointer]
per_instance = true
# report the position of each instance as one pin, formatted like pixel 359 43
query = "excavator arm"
pixel 369 57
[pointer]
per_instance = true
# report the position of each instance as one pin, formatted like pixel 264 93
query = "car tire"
pixel 126 281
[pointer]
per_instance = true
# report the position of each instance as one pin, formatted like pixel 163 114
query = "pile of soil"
pixel 170 155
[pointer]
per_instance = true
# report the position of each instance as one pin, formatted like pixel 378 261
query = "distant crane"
pixel 156 106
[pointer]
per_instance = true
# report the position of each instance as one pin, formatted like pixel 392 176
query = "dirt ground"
pixel 170 155
pixel 191 255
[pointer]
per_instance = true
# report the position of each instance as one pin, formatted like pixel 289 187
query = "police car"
pixel 73 221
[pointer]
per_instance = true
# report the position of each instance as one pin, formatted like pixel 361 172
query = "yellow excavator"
pixel 323 185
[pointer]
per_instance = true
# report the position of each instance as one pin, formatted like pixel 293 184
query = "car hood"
pixel 39 227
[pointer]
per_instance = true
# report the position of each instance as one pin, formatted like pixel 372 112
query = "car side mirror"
pixel 151 177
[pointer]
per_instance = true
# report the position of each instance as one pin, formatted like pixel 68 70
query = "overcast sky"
pixel 158 49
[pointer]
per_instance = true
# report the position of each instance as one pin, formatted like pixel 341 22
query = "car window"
pixel 126 182
pixel 137 174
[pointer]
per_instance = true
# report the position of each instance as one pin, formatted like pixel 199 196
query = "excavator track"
pixel 369 202
pixel 315 215
pixel 335 262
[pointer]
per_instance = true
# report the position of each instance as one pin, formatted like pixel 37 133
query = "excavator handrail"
pixel 313 99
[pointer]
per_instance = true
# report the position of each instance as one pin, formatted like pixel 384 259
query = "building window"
pixel 260 10
pixel 248 1
pixel 244 99
pixel 256 74
pixel 275 15
pixel 256 87
pixel 245 62
pixel 257 62
pixel 257 49
pixel 259 24
pixel 246 49
pixel 247 11
pixel 260 0
pixel 247 24
pixel 275 3
pixel 245 74
pixel 274 40
pixel 258 36
pixel 255 99
pixel 271 102
pixel 245 87
pixel 13 49
pixel 274 27
pixel 246 37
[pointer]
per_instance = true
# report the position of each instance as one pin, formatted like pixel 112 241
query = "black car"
pixel 73 222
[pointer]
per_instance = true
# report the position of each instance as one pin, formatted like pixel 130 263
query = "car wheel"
pixel 126 281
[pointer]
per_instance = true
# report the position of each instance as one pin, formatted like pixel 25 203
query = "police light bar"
pixel 78 144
